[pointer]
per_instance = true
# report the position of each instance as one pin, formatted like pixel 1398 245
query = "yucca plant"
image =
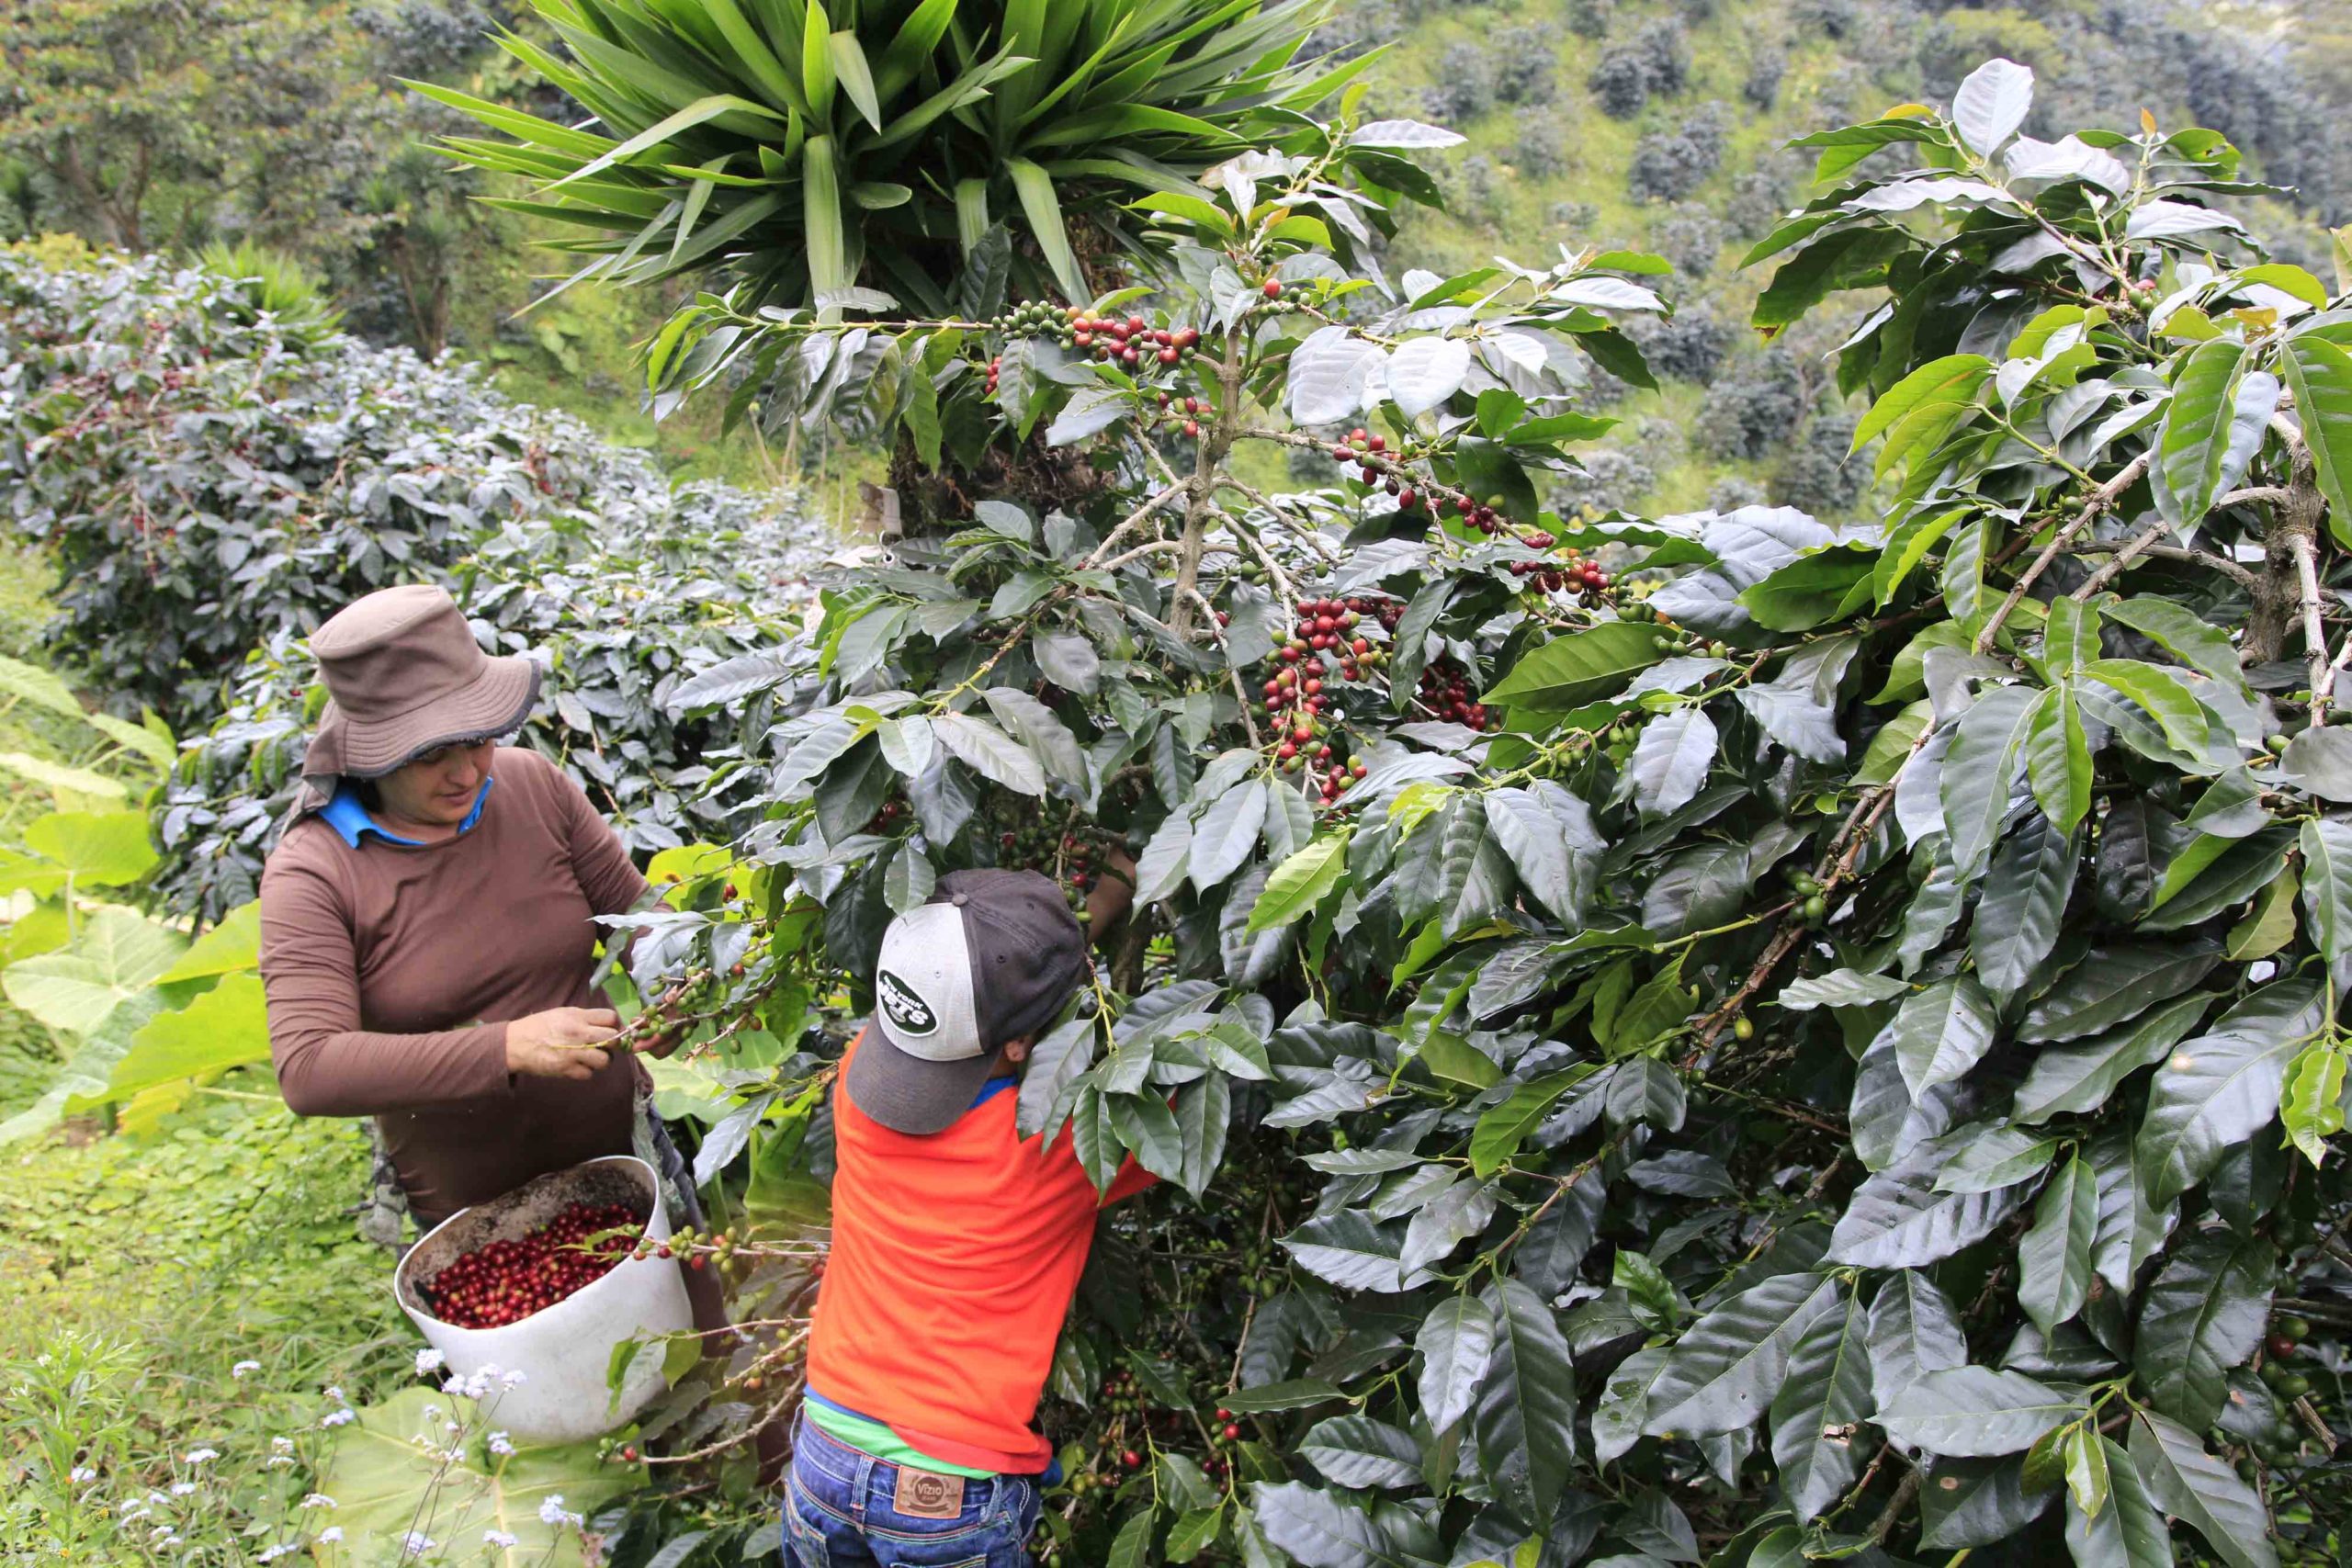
pixel 277 285
pixel 807 152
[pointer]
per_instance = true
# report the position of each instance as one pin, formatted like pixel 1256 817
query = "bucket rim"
pixel 402 1280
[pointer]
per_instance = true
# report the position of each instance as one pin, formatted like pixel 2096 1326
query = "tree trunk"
pixel 2277 589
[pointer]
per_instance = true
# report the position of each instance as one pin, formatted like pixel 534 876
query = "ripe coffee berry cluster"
pixel 1131 341
pixel 1188 410
pixel 1325 646
pixel 1445 692
pixel 1574 575
pixel 506 1281
pixel 1362 446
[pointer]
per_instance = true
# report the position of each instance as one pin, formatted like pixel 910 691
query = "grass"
pixel 160 1296
pixel 137 1273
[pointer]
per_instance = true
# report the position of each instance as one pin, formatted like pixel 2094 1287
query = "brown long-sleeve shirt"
pixel 392 972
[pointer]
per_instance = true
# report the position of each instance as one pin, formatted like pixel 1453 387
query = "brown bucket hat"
pixel 404 675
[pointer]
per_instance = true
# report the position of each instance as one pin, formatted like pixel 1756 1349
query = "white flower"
pixel 317 1500
pixel 203 1456
pixel 499 1443
pixel 272 1554
pixel 498 1537
pixel 428 1361
pixel 431 1411
pixel 159 1532
pixel 281 1445
pixel 83 1475
pixel 280 1461
pixel 336 1395
pixel 332 1534
pixel 416 1543
pixel 337 1417
pixel 551 1511
pixel 169 1539
pixel 182 1488
pixel 511 1379
pixel 135 1515
pixel 241 1368
pixel 156 1497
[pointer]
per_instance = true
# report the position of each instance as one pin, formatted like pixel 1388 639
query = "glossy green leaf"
pixel 1301 883
pixel 1455 1342
pixel 2196 431
pixel 1225 835
pixel 2203 1314
pixel 1524 1421
pixel 1671 760
pixel 1355 1450
pixel 2130 1532
pixel 2058 758
pixel 2219 1088
pixel 1571 671
pixel 1817 1412
pixel 1939 1034
pixel 1500 1131
pixel 2112 984
pixel 2201 1491
pixel 1975 1412
pixel 1724 1370
pixel 1897 1219
pixel 2023 906
pixel 2327 893
pixel 2158 695
pixel 2320 372
pixel 1978 771
pixel 2054 1258
pixel 2077 1077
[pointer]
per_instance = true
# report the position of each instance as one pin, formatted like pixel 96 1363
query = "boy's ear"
pixel 1017 1049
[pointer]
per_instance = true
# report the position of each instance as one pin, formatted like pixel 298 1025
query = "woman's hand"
pixel 560 1043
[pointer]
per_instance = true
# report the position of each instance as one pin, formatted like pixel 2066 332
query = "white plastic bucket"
pixel 563 1350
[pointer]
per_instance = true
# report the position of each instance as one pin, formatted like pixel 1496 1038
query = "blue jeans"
pixel 839 1512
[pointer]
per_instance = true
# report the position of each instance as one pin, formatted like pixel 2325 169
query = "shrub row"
pixel 214 477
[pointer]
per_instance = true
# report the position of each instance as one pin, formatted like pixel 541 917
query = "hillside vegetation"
pixel 1659 124
pixel 1662 126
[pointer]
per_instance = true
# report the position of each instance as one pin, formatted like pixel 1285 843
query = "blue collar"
pixel 991 1088
pixel 348 817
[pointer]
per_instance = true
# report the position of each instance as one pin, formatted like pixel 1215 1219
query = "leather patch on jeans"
pixel 926 1495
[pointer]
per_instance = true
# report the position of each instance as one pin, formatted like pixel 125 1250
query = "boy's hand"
pixel 1114 891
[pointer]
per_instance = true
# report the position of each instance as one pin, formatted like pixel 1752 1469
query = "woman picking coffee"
pixel 428 936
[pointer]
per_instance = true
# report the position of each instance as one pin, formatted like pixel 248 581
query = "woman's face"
pixel 438 788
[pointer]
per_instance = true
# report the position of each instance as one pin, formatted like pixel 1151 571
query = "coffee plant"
pixel 1716 1036
pixel 625 626
pixel 207 471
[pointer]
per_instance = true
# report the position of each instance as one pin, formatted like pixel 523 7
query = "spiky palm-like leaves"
pixel 807 151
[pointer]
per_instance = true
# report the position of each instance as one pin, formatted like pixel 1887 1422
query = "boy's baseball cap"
pixel 991 957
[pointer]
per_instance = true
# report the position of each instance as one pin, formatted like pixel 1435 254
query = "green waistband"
pixel 873 1437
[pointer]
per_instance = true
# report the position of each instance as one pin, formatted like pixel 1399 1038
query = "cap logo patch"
pixel 908 1012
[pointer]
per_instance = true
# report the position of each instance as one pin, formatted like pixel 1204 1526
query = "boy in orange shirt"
pixel 956 1244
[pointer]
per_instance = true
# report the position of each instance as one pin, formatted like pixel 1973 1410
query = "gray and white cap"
pixel 991 957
